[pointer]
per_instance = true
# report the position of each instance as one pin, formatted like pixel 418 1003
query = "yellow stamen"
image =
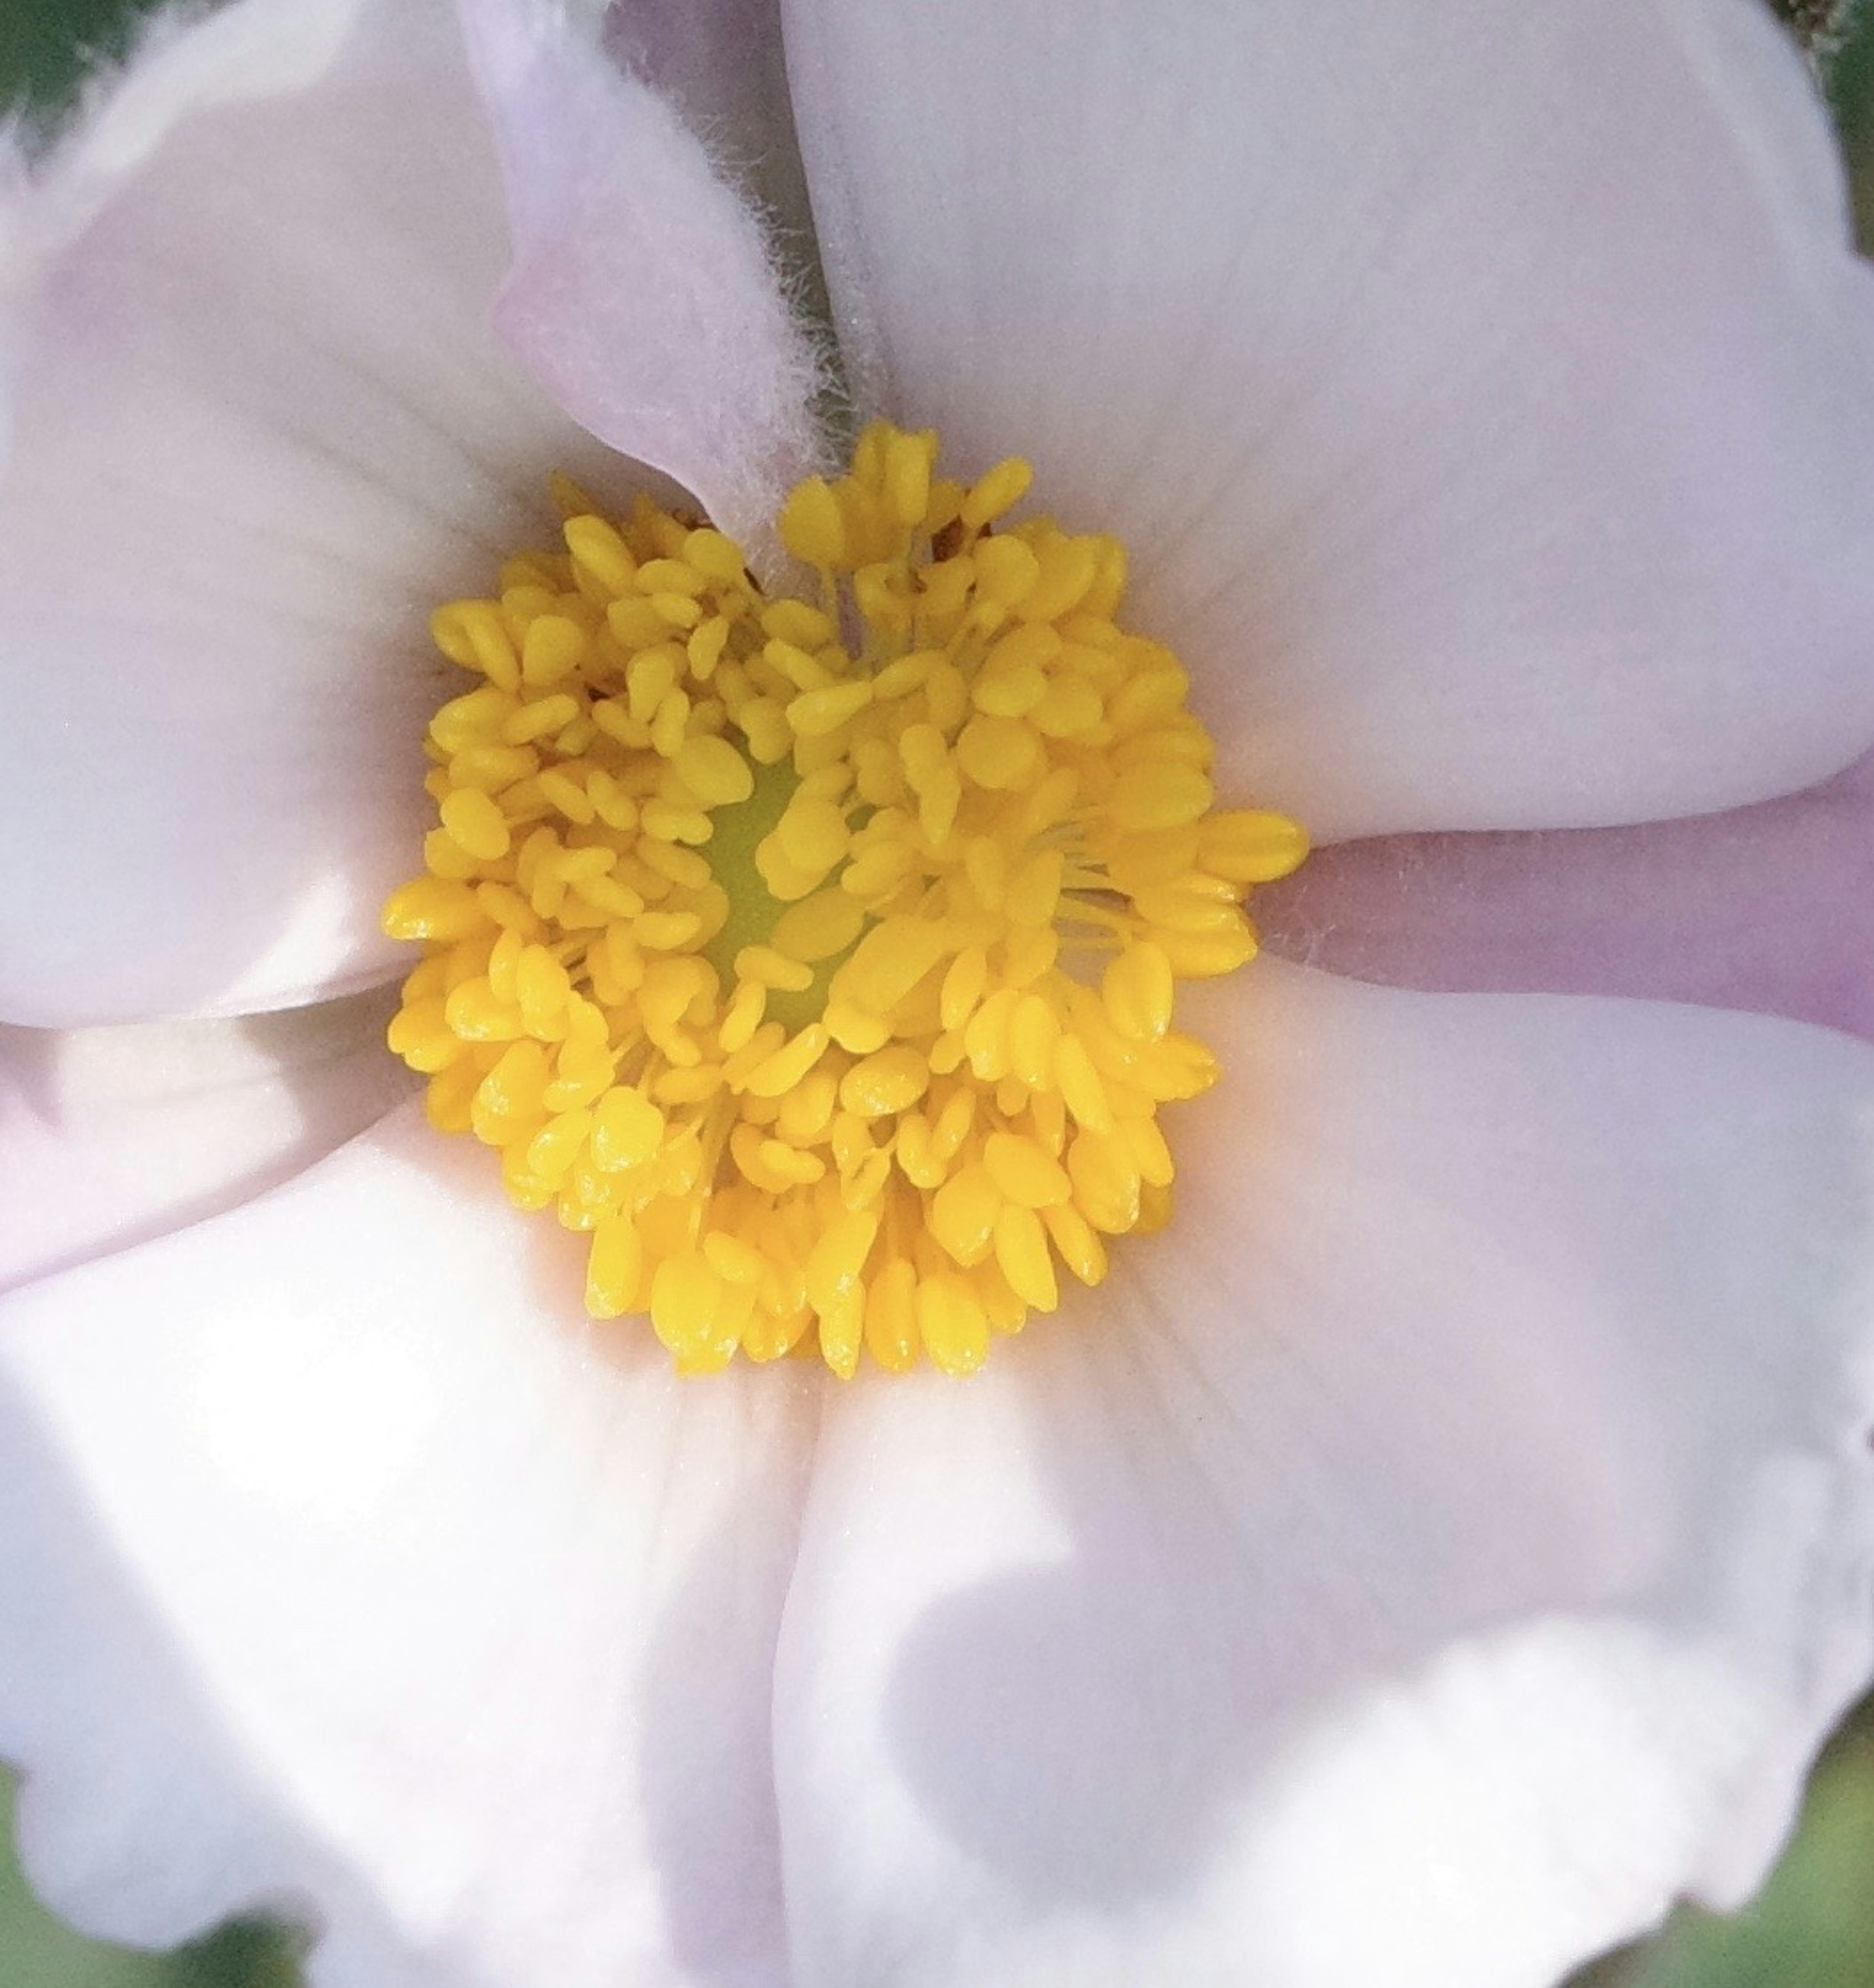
pixel 818 961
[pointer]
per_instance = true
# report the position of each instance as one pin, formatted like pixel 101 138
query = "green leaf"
pixel 47 46
pixel 38 1951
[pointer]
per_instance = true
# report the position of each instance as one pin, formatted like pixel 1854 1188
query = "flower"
pixel 1446 1543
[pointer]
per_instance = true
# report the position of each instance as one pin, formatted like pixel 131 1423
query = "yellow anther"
pixel 818 928
pixel 433 907
pixel 675 609
pixel 714 771
pixel 542 716
pixel 1024 1172
pixel 1160 796
pixel 1000 490
pixel 856 1029
pixel 908 458
pixel 670 726
pixel 666 931
pixel 892 1336
pixel 964 982
pixel 686 1301
pixel 567 795
pixel 614 1267
pixel 793 664
pixel 953 1324
pixel 811 527
pixel 474 719
pixel 883 1085
pixel 963 1212
pixel 1248 846
pixel 790 620
pixel 670 575
pixel 553 647
pixel 816 712
pixel 813 834
pixel 817 960
pixel 999 753
pixel 1068 569
pixel 1009 693
pixel 889 962
pixel 777 1074
pixel 1006 568
pixel 839 1258
pixel 476 823
pixel 716 557
pixel 1021 1255
pixel 904 674
pixel 743 1016
pixel 769 967
pixel 1034 1030
pixel 1080 1086
pixel 597 548
pixel 541 986
pixel 474 634
pixel 1138 990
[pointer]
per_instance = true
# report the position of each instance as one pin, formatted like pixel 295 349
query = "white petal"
pixel 349 1567
pixel 642 293
pixel 109 1137
pixel 259 426
pixel 1488 401
pixel 1446 1542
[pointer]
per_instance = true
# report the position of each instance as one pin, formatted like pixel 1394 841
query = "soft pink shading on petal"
pixel 1769 908
pixel 642 294
pixel 1486 395
pixel 110 1136
pixel 260 426
pixel 1463 1509
pixel 348 1566
pixel 721 63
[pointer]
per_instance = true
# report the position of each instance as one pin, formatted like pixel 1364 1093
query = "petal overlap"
pixel 644 294
pixel 351 1573
pixel 1488 404
pixel 1465 1505
pixel 258 426
pixel 1768 908
pixel 109 1137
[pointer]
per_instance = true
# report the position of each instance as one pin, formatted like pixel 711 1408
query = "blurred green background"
pixel 1814 1925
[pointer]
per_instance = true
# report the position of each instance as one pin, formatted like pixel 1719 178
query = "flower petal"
pixel 1465 1508
pixel 721 63
pixel 643 295
pixel 110 1136
pixel 1769 908
pixel 1488 403
pixel 259 427
pixel 348 1568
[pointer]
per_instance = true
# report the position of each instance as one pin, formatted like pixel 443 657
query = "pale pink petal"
pixel 350 1569
pixel 721 63
pixel 1445 1543
pixel 1488 395
pixel 1768 908
pixel 110 1136
pixel 259 426
pixel 643 295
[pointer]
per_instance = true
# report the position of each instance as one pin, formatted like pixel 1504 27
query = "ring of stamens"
pixel 817 958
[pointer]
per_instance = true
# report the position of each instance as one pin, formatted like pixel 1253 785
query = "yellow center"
pixel 817 959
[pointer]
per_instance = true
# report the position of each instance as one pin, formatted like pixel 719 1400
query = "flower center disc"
pixel 817 958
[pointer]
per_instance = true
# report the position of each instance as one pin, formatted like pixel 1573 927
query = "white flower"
pixel 1447 1542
